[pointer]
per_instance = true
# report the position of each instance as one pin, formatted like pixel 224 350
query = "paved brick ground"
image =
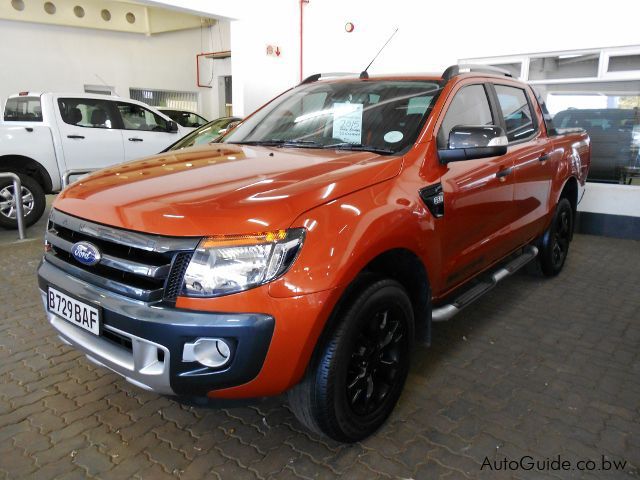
pixel 538 367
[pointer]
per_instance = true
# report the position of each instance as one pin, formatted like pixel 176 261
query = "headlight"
pixel 227 264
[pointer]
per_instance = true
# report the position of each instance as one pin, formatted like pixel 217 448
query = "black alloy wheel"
pixel 375 360
pixel 554 244
pixel 360 367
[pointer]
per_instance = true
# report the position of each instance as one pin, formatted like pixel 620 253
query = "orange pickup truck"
pixel 307 250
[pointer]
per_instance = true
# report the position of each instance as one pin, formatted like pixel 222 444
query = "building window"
pixel 610 113
pixel 624 63
pixel 564 66
pixel 166 98
pixel 515 68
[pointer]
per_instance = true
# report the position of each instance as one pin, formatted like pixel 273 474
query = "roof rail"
pixel 317 76
pixel 454 70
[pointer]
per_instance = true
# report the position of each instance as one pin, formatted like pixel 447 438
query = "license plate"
pixel 79 313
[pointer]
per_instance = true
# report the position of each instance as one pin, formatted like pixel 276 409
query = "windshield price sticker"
pixel 347 122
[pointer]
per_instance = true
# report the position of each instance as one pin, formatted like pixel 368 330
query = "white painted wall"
pixel 431 36
pixel 41 57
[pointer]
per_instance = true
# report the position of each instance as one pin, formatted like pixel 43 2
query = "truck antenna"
pixel 364 73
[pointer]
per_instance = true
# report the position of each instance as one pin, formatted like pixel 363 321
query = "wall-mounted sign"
pixel 273 51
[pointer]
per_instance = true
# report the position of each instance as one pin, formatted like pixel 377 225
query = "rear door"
pixel 534 160
pixel 143 131
pixel 88 133
pixel 478 194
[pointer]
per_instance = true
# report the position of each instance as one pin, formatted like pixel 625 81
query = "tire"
pixel 554 245
pixel 357 375
pixel 33 204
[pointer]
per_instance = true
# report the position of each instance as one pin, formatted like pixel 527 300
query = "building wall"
pixel 431 36
pixel 41 57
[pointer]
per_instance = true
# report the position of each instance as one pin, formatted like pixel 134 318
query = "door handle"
pixel 544 157
pixel 75 136
pixel 135 139
pixel 503 173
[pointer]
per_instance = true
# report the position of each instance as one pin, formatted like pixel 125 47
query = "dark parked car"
pixel 615 138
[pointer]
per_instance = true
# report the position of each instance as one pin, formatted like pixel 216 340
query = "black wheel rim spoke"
pixel 375 361
pixel 561 237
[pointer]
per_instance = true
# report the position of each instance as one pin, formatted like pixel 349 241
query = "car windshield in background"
pixel 206 134
pixel 185 119
pixel 384 116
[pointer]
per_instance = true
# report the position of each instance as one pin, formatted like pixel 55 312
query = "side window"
pixel 470 106
pixel 516 112
pixel 135 117
pixel 86 112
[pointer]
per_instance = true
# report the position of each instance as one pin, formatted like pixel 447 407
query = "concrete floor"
pixel 536 369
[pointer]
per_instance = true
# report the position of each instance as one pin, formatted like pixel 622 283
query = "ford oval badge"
pixel 86 253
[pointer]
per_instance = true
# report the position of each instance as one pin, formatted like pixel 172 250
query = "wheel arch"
pixel 27 166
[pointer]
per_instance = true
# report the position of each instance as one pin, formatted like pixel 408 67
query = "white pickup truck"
pixel 43 136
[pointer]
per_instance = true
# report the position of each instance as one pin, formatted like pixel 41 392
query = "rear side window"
pixel 135 117
pixel 23 109
pixel 516 112
pixel 86 112
pixel 470 106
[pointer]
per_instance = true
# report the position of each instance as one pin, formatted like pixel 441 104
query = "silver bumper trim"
pixel 141 366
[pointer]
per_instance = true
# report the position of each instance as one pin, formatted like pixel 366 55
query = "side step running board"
pixel 445 312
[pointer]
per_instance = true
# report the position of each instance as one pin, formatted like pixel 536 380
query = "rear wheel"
pixel 32 197
pixel 356 379
pixel 555 241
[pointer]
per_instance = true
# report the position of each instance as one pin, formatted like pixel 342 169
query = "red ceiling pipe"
pixel 302 2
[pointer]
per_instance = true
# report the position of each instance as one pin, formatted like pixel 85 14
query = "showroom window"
pixel 469 107
pixel 516 112
pixel 86 112
pixel 598 91
pixel 624 63
pixel 166 98
pixel 514 68
pixel 135 117
pixel 564 66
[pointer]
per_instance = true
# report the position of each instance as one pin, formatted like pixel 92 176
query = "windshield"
pixel 377 115
pixel 205 134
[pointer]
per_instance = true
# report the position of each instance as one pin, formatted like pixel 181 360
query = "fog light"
pixel 211 352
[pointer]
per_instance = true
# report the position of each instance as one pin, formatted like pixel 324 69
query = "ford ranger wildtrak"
pixel 307 250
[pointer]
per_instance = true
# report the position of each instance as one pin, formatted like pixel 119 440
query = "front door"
pixel 143 131
pixel 89 137
pixel 535 162
pixel 478 195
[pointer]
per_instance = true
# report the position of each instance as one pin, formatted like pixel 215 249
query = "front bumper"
pixel 144 342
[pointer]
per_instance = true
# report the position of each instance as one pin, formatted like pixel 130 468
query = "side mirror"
pixel 172 127
pixel 469 142
pixel 232 125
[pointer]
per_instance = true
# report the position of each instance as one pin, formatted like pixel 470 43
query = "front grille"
pixel 176 275
pixel 142 266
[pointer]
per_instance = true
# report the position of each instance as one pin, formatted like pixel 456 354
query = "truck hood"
pixel 222 188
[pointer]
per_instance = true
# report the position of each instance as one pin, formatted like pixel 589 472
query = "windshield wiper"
pixel 358 147
pixel 280 143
